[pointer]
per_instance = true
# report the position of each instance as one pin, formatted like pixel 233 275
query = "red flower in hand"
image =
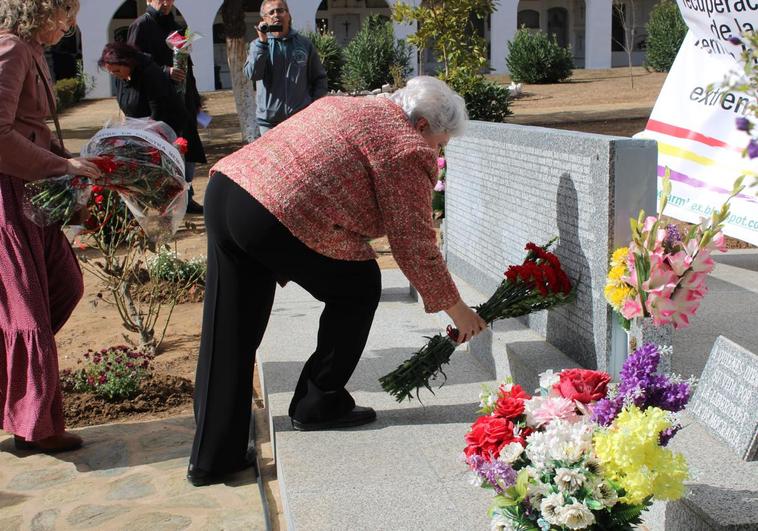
pixel 487 437
pixel 510 404
pixel 182 145
pixel 583 385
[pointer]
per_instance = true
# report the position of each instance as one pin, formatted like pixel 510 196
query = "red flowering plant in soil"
pixel 138 161
pixel 539 283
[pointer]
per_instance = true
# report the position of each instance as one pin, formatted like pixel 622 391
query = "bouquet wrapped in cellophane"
pixel 140 159
pixel 182 43
pixel 539 283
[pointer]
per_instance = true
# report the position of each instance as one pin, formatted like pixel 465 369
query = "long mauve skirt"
pixel 40 284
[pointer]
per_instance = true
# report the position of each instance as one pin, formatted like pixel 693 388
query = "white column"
pixel 303 14
pixel 502 31
pixel 93 20
pixel 597 33
pixel 403 31
pixel 199 17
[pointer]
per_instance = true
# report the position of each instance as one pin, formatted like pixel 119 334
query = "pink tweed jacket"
pixel 344 170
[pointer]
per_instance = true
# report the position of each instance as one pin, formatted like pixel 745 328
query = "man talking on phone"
pixel 285 66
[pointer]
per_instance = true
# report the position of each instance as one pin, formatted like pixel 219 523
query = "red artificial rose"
pixel 583 385
pixel 182 145
pixel 510 404
pixel 487 437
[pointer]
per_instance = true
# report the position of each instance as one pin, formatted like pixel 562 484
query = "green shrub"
pixel 369 57
pixel 535 58
pixel 67 91
pixel 665 32
pixel 331 55
pixel 167 266
pixel 112 373
pixel 485 100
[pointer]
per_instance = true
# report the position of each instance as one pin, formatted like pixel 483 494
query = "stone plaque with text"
pixel 726 398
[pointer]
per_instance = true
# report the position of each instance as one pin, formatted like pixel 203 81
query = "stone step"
pixel 403 471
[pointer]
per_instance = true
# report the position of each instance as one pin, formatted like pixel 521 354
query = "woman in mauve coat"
pixel 40 280
pixel 300 204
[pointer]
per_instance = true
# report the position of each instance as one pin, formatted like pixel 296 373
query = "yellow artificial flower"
pixel 618 258
pixel 616 295
pixel 630 454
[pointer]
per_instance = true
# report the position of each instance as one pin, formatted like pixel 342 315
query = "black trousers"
pixel 248 251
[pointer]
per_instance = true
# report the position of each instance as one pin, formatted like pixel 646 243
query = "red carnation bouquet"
pixel 539 283
pixel 140 159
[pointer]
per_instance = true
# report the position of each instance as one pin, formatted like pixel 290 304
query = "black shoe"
pixel 193 207
pixel 357 417
pixel 199 477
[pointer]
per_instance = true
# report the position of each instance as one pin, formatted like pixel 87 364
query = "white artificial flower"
pixel 510 452
pixel 605 494
pixel 502 522
pixel 536 491
pixel 569 442
pixel 550 507
pixel 575 515
pixel 568 479
pixel 474 479
pixel 548 379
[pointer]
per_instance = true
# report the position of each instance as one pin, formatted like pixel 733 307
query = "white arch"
pixel 94 19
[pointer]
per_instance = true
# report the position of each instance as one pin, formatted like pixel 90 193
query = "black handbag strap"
pixel 51 103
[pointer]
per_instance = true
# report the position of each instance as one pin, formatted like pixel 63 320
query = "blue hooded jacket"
pixel 288 76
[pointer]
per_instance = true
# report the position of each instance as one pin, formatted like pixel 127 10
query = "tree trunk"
pixel 233 15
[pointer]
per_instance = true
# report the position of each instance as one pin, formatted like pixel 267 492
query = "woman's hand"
pixel 84 167
pixel 466 320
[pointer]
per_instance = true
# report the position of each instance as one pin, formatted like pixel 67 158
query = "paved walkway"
pixel 127 476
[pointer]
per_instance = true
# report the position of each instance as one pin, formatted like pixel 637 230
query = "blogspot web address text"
pixel 704 209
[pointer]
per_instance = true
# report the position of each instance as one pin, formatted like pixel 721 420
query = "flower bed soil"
pixel 159 393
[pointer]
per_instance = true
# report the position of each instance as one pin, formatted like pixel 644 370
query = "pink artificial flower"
pixel 632 308
pixel 694 281
pixel 702 262
pixel 541 411
pixel 719 242
pixel 686 303
pixel 660 308
pixel 649 222
pixel 662 280
pixel 439 187
pixel 440 162
pixel 680 262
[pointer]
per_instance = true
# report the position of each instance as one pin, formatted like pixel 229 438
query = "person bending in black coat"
pixel 142 88
pixel 148 33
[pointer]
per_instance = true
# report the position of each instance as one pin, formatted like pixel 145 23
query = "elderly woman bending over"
pixel 299 204
pixel 40 281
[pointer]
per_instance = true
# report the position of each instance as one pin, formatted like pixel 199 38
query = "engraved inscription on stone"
pixel 726 399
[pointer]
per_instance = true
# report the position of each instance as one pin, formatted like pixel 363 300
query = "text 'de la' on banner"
pixel 693 120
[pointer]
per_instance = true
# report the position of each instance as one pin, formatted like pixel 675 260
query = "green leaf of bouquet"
pixel 593 504
pixel 503 501
pixel 522 482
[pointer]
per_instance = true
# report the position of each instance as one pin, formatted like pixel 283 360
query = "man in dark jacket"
pixel 148 33
pixel 285 66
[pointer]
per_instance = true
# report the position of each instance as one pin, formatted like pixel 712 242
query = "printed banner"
pixel 694 118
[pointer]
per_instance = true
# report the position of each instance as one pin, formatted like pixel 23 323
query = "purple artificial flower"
pixel 735 40
pixel 440 186
pixel 498 474
pixel 742 123
pixel 668 395
pixel 638 369
pixel 665 436
pixel 752 149
pixel 673 237
pixel 606 410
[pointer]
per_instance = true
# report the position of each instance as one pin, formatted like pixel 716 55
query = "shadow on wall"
pixel 570 327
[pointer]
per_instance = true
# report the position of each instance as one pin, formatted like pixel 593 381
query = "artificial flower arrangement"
pixel 140 159
pixel 582 453
pixel 662 273
pixel 539 283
